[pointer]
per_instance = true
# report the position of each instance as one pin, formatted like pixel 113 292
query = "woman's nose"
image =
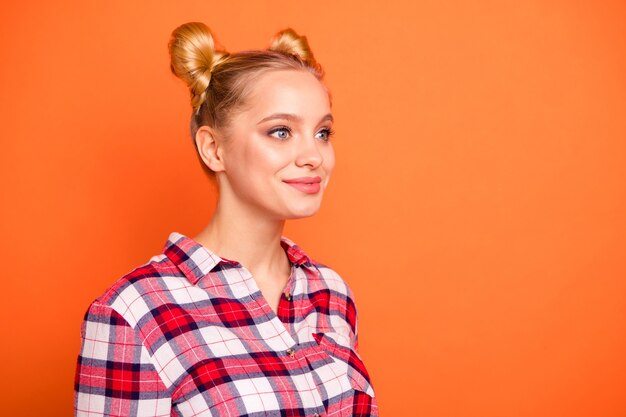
pixel 309 153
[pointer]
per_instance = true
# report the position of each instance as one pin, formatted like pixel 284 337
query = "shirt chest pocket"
pixel 348 361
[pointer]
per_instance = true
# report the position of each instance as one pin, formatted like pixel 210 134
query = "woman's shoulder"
pixel 147 280
pixel 332 279
pixel 162 276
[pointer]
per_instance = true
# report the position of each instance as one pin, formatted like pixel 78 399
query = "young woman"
pixel 238 320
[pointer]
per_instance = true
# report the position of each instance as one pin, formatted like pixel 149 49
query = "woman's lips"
pixel 309 185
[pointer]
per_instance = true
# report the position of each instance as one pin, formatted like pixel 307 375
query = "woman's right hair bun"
pixel 287 41
pixel 192 58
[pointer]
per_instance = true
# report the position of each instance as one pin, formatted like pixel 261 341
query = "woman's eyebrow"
pixel 291 117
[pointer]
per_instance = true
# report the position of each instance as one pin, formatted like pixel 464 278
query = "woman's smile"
pixel 309 185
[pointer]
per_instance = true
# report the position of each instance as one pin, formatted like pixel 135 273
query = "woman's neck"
pixel 241 235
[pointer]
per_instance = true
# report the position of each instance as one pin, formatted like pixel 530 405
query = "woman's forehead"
pixel 293 92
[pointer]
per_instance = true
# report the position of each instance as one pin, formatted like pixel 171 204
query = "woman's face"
pixel 282 135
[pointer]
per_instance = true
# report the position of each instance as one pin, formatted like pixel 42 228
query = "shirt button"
pixel 316 415
pixel 291 352
pixel 288 297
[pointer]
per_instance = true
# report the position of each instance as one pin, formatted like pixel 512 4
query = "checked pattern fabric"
pixel 190 334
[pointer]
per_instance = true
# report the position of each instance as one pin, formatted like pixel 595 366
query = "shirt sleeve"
pixel 364 402
pixel 352 318
pixel 114 374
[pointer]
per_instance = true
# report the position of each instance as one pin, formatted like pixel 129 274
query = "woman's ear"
pixel 209 148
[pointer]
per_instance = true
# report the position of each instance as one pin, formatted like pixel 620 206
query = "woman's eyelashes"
pixel 327 133
pixel 284 132
pixel 280 132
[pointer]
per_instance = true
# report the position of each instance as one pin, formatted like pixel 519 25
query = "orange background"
pixel 477 208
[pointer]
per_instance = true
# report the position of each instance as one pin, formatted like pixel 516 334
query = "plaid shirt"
pixel 190 334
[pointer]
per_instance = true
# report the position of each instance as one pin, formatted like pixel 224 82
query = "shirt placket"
pixel 291 348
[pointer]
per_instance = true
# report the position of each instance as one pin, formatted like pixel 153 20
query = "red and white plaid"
pixel 190 334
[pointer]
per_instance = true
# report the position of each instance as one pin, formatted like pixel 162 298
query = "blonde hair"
pixel 219 81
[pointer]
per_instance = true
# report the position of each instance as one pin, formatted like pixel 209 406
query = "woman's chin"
pixel 302 212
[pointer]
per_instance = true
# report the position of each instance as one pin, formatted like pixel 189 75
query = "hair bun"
pixel 192 58
pixel 287 41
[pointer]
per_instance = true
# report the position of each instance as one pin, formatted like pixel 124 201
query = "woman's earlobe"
pixel 209 149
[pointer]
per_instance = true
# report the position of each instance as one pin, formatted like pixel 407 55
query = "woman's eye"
pixel 326 134
pixel 280 132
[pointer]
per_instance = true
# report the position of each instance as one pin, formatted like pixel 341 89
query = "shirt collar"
pixel 196 261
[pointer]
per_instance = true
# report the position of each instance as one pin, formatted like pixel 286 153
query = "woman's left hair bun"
pixel 193 57
pixel 288 41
